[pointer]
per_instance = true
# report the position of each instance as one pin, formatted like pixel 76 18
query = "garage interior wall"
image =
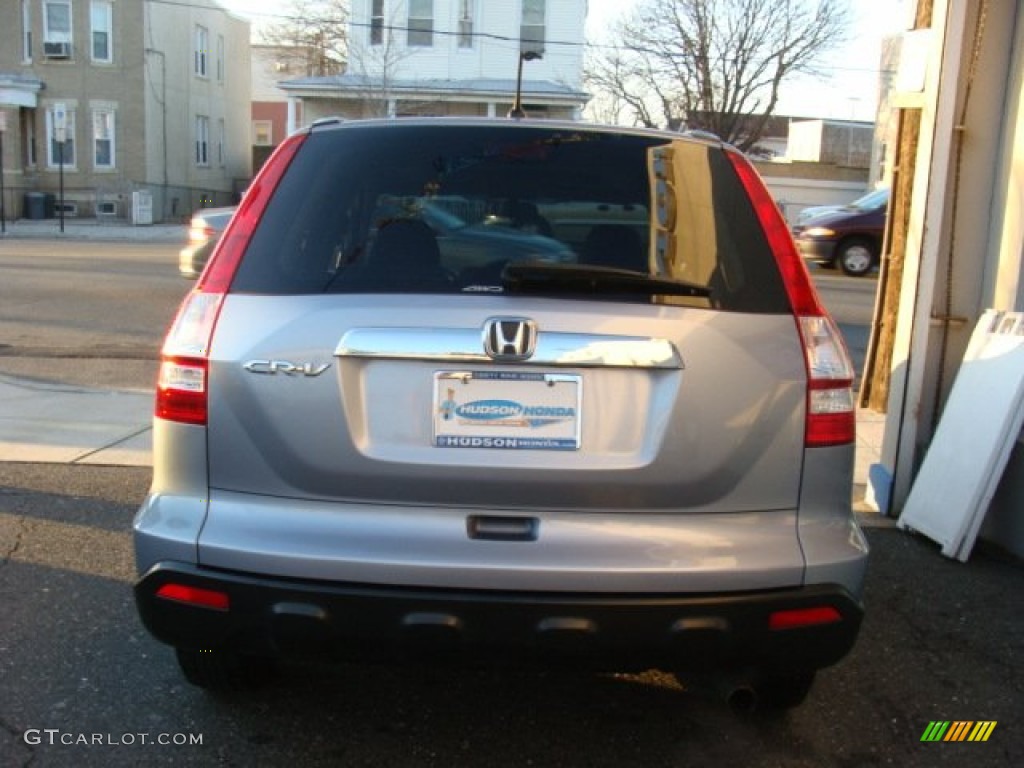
pixel 965 244
pixel 1005 284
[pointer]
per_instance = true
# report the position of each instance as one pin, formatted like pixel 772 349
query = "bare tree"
pixel 376 63
pixel 315 33
pixel 714 65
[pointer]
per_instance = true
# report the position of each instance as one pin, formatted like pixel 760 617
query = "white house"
pixel 453 57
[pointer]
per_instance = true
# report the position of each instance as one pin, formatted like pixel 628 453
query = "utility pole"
pixel 60 119
pixel 517 110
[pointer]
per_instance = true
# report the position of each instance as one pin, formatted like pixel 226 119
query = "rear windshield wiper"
pixel 541 277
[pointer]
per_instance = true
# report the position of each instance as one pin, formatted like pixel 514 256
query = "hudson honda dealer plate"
pixel 507 410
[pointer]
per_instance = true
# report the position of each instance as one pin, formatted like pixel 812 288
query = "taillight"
pixel 182 386
pixel 831 416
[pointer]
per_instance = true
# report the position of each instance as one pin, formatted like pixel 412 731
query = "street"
pixel 82 684
pixel 86 313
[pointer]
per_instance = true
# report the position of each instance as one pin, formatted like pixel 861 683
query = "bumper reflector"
pixel 204 598
pixel 804 617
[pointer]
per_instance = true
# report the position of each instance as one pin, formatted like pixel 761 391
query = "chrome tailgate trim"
pixel 466 345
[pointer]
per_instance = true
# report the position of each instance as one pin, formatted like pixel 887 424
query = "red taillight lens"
pixel 181 393
pixel 831 416
pixel 205 598
pixel 804 617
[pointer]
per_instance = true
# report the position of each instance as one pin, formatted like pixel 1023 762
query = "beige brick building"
pixel 150 97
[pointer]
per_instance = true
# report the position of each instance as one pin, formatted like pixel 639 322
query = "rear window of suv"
pixel 503 208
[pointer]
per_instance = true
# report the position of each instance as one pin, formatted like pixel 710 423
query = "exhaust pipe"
pixel 742 698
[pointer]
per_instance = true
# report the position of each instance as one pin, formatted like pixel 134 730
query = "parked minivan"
pixel 849 236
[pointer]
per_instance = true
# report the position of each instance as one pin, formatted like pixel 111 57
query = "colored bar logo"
pixel 958 730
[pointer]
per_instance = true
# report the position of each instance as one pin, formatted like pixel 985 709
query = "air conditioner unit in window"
pixel 57 50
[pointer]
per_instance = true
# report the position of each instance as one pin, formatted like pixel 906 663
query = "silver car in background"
pixel 623 441
pixel 205 227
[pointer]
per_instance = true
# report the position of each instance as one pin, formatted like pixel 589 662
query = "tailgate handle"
pixel 495 528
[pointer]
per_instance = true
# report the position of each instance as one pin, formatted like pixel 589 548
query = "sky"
pixel 847 89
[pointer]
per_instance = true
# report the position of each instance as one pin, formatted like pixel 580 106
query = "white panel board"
pixel 972 443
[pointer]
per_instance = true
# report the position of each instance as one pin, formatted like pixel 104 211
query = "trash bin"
pixel 35 205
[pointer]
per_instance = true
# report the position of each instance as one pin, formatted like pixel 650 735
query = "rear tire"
pixel 223 671
pixel 856 256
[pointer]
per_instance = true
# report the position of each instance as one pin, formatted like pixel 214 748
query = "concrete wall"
pixel 1004 283
pixel 796 186
pixel 964 236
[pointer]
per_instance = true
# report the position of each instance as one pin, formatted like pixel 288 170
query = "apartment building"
pixel 106 99
pixel 452 57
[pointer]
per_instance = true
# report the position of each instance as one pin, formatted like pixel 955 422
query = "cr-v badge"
pixel 271 367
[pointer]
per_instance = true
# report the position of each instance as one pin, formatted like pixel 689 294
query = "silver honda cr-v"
pixel 515 389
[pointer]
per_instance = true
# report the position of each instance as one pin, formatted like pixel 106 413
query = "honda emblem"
pixel 510 338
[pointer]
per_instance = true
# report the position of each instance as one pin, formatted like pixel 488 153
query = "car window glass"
pixel 443 209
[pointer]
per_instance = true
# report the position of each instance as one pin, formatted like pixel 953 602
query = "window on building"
pixel 220 58
pixel 202 51
pixel 57 21
pixel 55 148
pixel 101 16
pixel 221 143
pixel 376 22
pixel 466 23
pixel 263 133
pixel 202 140
pixel 28 134
pixel 26 30
pixel 421 23
pixel 103 138
pixel 531 30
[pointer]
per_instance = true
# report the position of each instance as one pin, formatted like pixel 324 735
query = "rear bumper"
pixel 283 617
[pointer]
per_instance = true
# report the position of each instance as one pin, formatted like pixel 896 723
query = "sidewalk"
pixel 58 424
pixel 94 229
pixel 53 423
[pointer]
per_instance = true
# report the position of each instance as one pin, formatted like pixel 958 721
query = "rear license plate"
pixel 507 410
